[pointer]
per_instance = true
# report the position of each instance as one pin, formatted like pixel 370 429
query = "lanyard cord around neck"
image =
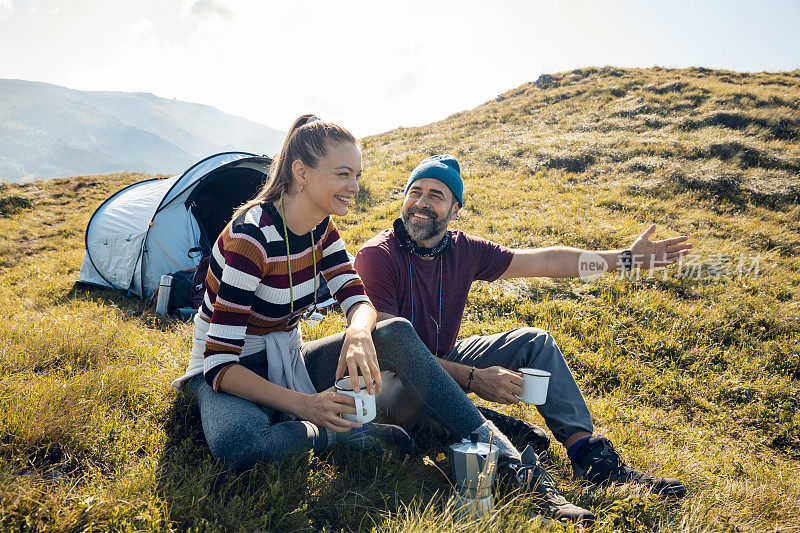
pixel 411 286
pixel 289 264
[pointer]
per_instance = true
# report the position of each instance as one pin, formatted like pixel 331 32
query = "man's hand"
pixel 497 384
pixel 650 254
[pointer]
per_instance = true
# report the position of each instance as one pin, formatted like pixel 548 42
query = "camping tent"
pixel 150 228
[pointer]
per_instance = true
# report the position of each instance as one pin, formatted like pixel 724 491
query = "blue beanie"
pixel 444 168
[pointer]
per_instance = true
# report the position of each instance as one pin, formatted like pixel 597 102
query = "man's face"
pixel 427 209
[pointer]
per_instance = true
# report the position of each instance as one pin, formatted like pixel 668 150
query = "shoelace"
pixel 539 476
pixel 622 470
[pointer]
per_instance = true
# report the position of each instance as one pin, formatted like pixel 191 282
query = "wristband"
pixel 469 380
pixel 626 258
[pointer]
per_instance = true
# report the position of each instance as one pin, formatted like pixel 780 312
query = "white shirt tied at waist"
pixel 285 364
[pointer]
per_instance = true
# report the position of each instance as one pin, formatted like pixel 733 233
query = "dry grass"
pixel 694 378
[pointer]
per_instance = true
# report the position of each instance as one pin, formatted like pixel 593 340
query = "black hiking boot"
pixel 598 462
pixel 535 480
pixel 519 432
pixel 379 437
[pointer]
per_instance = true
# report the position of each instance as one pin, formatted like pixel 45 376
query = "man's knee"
pixel 529 334
pixel 537 343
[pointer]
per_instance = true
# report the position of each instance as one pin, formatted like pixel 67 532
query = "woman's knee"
pixel 398 345
pixel 395 328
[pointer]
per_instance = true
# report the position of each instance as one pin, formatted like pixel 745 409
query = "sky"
pixel 372 66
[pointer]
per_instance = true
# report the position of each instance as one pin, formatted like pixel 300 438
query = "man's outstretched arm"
pixel 494 384
pixel 564 262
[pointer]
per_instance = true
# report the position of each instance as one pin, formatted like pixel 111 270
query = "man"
pixel 422 271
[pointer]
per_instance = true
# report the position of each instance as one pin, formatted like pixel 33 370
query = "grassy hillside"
pixel 692 372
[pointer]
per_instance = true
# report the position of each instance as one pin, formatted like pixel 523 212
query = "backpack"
pixel 188 286
pixel 179 296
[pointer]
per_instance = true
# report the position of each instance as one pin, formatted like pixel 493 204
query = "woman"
pixel 261 391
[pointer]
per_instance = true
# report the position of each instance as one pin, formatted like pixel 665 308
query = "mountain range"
pixel 51 131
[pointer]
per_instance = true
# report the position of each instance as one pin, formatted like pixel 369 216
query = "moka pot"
pixel 474 465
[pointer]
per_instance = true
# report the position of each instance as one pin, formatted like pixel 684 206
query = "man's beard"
pixel 422 230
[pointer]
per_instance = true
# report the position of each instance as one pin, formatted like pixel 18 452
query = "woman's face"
pixel 334 183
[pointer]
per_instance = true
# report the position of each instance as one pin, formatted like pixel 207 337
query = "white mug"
pixel 534 385
pixel 364 400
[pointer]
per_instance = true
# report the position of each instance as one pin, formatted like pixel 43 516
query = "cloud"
pixel 202 7
pixel 6 6
pixel 142 28
pixel 405 84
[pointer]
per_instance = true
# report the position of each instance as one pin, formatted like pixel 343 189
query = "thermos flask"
pixel 164 290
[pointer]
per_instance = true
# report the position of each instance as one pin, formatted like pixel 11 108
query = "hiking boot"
pixel 535 480
pixel 519 432
pixel 598 462
pixel 379 437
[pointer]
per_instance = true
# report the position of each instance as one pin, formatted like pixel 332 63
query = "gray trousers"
pixel 241 433
pixel 564 411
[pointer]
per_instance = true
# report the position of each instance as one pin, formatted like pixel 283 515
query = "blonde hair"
pixel 305 141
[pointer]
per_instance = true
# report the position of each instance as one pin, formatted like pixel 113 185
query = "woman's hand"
pixel 324 409
pixel 358 356
pixel 358 350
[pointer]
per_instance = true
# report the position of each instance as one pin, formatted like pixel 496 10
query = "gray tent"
pixel 150 228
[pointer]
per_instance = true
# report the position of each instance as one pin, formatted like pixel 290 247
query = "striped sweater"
pixel 247 286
